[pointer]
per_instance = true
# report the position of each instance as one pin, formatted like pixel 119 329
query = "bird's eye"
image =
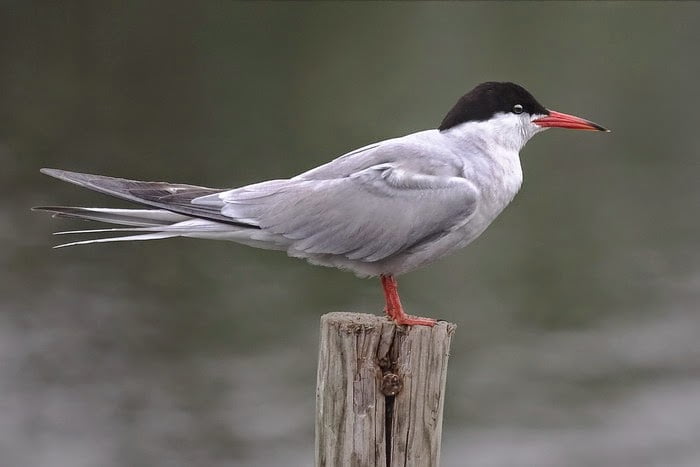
pixel 517 109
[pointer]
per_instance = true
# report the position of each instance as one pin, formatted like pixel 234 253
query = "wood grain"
pixel 380 392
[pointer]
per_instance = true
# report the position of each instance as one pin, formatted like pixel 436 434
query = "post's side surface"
pixel 420 357
pixel 380 392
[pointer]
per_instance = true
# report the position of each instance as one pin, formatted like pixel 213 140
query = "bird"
pixel 383 210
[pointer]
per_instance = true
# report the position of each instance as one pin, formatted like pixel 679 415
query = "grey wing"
pixel 170 196
pixel 369 215
pixel 409 152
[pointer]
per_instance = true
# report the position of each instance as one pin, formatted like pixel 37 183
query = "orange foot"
pixel 404 319
pixel 394 309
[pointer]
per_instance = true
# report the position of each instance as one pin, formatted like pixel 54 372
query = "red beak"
pixel 560 120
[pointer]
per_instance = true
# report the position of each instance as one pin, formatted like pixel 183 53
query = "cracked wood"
pixel 380 392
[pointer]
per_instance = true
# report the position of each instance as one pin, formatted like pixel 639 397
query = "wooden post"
pixel 380 392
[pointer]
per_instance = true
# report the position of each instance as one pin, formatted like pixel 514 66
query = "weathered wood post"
pixel 380 392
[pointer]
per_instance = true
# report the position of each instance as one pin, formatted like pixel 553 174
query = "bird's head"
pixel 510 112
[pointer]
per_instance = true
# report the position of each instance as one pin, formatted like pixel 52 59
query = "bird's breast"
pixel 498 176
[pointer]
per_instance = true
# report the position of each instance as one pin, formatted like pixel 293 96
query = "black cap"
pixel 487 99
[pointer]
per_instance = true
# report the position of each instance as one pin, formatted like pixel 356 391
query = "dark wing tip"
pixel 50 208
pixel 65 175
pixel 51 172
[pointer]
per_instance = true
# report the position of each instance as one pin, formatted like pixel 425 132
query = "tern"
pixel 381 210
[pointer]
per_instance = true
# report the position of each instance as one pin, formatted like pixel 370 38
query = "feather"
pixel 129 238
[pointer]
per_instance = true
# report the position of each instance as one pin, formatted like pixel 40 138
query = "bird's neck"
pixel 506 133
pixel 491 158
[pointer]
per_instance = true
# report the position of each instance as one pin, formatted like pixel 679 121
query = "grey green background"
pixel 577 310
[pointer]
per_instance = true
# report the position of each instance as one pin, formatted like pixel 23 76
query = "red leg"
pixel 393 305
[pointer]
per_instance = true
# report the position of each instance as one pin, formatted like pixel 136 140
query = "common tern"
pixel 381 210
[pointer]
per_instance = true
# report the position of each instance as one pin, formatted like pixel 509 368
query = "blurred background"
pixel 577 310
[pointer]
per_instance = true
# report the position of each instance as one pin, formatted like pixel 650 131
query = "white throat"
pixel 507 130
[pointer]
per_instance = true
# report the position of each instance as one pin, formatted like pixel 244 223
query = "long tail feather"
pixel 139 220
pixel 179 228
pixel 135 217
pixel 112 230
pixel 128 238
pixel 158 223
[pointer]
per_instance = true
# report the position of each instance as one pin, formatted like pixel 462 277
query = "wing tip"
pixel 44 208
pixel 65 175
pixel 51 172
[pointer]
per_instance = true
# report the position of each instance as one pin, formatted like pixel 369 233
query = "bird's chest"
pixel 499 179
